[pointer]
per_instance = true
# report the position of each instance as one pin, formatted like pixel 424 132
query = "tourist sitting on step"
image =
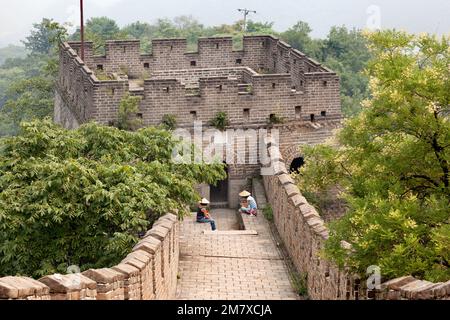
pixel 248 204
pixel 203 215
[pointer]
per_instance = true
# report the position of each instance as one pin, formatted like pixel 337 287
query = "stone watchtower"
pixel 264 82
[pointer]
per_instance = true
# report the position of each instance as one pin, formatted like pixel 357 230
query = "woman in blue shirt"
pixel 252 207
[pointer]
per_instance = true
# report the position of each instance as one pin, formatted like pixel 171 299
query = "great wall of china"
pixel 266 77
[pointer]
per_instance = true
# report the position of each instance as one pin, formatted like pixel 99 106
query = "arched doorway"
pixel 219 193
pixel 296 164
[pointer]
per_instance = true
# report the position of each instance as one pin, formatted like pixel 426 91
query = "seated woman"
pixel 252 207
pixel 203 215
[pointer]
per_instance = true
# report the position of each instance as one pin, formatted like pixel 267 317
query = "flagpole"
pixel 82 30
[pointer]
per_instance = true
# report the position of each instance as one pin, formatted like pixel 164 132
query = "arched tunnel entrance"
pixel 219 193
pixel 296 164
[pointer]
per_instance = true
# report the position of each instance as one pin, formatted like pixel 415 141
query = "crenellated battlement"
pixel 265 77
pixel 258 52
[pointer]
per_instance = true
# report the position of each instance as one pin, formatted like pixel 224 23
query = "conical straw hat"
pixel 244 193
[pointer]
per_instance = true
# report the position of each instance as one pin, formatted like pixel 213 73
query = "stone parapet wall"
pixel 262 53
pixel 149 272
pixel 266 77
pixel 304 233
pixel 81 96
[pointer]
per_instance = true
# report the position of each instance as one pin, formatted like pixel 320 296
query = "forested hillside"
pixel 12 51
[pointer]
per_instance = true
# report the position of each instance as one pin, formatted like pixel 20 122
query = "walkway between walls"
pixel 231 265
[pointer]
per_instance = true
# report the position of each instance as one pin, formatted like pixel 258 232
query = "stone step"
pixel 231 232
pixel 219 205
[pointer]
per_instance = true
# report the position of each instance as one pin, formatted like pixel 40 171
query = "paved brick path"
pixel 231 267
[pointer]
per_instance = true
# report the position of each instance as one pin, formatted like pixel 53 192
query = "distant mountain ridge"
pixel 12 51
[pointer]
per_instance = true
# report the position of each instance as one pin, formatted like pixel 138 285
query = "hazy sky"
pixel 17 16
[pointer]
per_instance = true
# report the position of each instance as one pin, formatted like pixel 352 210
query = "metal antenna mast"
pixel 82 30
pixel 246 12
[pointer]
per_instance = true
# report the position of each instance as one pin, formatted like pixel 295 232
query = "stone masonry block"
pixel 139 255
pixel 396 284
pixel 158 232
pixel 413 289
pixel 166 223
pixel 127 270
pixel 70 287
pixel 149 244
pixel 104 275
pixel 21 288
pixel 170 216
pixel 291 190
pixel 285 179
pixel 442 290
pixel 298 200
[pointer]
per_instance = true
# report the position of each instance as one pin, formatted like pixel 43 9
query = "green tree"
pixel 99 30
pixel 138 29
pixel 260 27
pixel 82 196
pixel 30 94
pixel 29 99
pixel 105 27
pixel 298 36
pixel 43 36
pixel 346 52
pixel 393 163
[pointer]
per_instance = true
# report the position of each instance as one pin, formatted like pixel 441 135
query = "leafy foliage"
pixel 268 212
pixel 128 108
pixel 98 30
pixel 220 121
pixel 169 121
pixel 27 92
pixel 392 166
pixel 80 197
pixel 43 37
pixel 275 119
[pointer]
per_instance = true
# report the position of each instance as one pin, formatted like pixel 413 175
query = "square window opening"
pixel 298 112
pixel 246 114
